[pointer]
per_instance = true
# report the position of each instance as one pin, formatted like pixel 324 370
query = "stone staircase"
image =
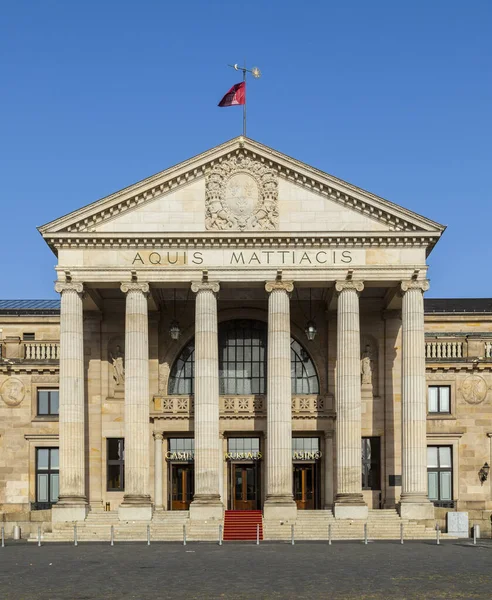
pixel 381 525
pixel 168 526
pixel 164 526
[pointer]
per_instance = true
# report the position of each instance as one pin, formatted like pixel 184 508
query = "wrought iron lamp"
pixel 174 329
pixel 484 473
pixel 310 329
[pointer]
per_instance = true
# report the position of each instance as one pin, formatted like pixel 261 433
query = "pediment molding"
pixel 87 219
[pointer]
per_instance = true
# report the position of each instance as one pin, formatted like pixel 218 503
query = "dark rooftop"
pixel 26 307
pixel 431 305
pixel 458 305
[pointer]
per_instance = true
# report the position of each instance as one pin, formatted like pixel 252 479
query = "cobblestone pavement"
pixel 234 571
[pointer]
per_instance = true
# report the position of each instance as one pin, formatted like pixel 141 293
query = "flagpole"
pixel 245 100
pixel 256 74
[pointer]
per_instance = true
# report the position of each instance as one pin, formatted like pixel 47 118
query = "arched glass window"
pixel 243 362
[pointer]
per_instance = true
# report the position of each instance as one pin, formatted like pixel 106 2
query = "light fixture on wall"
pixel 310 329
pixel 484 473
pixel 174 329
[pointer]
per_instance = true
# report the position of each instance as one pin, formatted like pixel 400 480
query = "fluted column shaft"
pixel 158 437
pixel 279 395
pixel 348 394
pixel 207 440
pixel 137 451
pixel 414 397
pixel 71 422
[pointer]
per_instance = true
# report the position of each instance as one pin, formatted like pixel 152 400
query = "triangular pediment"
pixel 240 187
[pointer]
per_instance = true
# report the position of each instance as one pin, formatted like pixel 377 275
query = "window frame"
pixel 116 462
pixel 49 413
pixel 373 461
pixel 38 505
pixel 439 502
pixel 439 386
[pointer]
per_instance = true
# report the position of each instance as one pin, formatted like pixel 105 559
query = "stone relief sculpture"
pixel 474 389
pixel 366 366
pixel 164 370
pixel 12 391
pixel 241 193
pixel 116 360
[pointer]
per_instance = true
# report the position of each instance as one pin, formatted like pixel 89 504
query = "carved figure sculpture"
pixel 118 360
pixel 366 366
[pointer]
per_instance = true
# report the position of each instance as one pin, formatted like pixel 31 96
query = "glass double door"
pixel 244 486
pixel 306 486
pixel 182 486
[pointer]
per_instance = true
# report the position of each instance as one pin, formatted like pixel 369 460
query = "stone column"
pixel 349 502
pixel 136 501
pixel 414 503
pixel 72 503
pixel 158 437
pixel 328 463
pixel 206 501
pixel 279 503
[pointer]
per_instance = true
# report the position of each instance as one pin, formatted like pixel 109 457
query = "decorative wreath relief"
pixel 241 193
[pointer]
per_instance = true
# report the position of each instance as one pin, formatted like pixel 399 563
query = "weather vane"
pixel 237 94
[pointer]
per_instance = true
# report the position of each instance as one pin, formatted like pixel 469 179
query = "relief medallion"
pixel 474 389
pixel 12 391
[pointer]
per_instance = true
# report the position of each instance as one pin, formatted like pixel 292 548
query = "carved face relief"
pixel 12 391
pixel 241 194
pixel 474 389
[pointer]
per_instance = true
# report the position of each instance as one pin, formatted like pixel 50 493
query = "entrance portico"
pixel 304 231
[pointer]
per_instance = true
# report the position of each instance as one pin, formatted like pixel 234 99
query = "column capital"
pixel 205 286
pixel 65 286
pixel 349 284
pixel 158 435
pixel 132 286
pixel 422 285
pixel 286 286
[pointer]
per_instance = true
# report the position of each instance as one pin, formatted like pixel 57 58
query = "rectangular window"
pixel 47 477
pixel 48 402
pixel 439 399
pixel 440 475
pixel 371 463
pixel 28 337
pixel 115 464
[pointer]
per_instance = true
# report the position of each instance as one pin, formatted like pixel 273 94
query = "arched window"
pixel 243 362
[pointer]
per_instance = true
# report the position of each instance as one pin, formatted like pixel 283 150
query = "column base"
pixel 135 508
pixel 207 508
pixel 280 508
pixel 350 506
pixel 69 509
pixel 415 510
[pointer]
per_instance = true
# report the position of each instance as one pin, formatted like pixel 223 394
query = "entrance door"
pixel 244 486
pixel 181 486
pixel 304 486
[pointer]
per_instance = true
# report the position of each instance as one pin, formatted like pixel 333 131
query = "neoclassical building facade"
pixel 244 332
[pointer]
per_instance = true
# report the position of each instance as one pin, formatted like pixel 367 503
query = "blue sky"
pixel 394 97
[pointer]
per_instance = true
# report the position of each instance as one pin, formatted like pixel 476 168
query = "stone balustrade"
pixel 46 350
pixel 247 406
pixel 444 349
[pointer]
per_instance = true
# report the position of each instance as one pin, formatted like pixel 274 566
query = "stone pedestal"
pixel 136 505
pixel 349 502
pixel 414 503
pixel 279 503
pixel 206 502
pixel 72 503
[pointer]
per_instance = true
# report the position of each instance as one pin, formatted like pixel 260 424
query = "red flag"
pixel 235 96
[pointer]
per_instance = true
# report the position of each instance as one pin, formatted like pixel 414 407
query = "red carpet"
pixel 241 525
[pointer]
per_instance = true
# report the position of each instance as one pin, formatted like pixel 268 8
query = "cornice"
pixel 241 240
pixel 396 218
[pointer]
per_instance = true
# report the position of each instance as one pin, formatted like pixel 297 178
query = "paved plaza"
pixel 345 570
